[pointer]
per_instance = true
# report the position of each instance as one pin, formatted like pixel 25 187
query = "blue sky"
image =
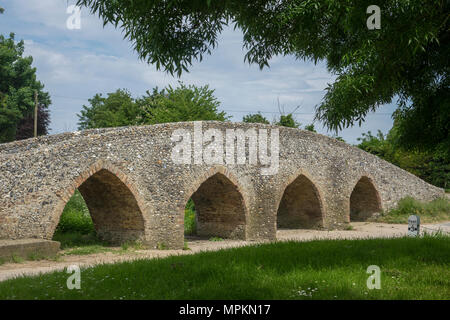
pixel 76 64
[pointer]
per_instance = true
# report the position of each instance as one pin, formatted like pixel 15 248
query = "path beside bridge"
pixel 361 230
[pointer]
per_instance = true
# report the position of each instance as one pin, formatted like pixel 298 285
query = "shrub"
pixel 75 217
pixel 189 218
pixel 410 206
pixel 436 210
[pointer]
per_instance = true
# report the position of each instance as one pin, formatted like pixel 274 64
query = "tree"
pixel 184 103
pixel 310 127
pixel 116 110
pixel 432 167
pixel 25 127
pixel 407 58
pixel 17 86
pixel 425 124
pixel 255 118
pixel 287 121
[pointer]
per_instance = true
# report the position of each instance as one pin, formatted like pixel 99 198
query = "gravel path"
pixel 361 230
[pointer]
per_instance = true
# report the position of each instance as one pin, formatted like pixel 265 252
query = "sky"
pixel 75 64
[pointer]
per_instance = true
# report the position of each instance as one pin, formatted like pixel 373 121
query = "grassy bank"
pixel 411 268
pixel 429 212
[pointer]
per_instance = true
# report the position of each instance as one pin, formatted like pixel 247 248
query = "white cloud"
pixel 76 64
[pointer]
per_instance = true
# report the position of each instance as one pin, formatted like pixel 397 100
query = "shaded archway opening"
pixel 75 227
pixel 364 200
pixel 300 207
pixel 115 213
pixel 190 219
pixel 219 209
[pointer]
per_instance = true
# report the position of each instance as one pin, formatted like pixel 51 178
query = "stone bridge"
pixel 136 182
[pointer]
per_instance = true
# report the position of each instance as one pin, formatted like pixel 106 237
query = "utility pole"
pixel 35 112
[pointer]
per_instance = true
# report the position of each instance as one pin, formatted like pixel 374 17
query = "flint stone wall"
pixel 134 190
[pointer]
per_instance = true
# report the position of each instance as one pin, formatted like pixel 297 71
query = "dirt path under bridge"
pixel 360 230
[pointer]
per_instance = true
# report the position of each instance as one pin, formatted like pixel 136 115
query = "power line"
pixel 276 112
pixel 66 97
pixel 237 111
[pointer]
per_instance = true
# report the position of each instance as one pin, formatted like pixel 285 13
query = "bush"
pixel 433 211
pixel 75 217
pixel 189 218
pixel 433 167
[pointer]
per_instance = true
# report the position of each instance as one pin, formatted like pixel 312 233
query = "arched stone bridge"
pixel 135 189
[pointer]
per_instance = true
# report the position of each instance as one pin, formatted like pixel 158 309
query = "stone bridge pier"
pixel 246 181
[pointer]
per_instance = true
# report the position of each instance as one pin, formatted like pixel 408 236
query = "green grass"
pixel 37 257
pixel 429 212
pixel 76 239
pixel 88 249
pixel 17 259
pixel 215 239
pixel 411 268
pixel 162 246
pixel 132 245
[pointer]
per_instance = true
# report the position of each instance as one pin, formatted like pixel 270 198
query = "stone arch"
pixel 364 200
pixel 220 205
pixel 300 206
pixel 113 202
